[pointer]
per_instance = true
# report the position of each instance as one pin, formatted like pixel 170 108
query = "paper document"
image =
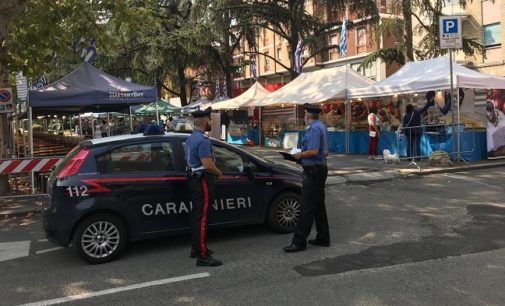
pixel 294 151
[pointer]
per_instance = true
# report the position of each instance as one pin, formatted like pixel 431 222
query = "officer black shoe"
pixel 194 253
pixel 294 248
pixel 208 261
pixel 318 242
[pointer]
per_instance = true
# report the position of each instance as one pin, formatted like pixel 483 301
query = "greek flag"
pixel 298 57
pixel 253 67
pixel 89 55
pixel 225 89
pixel 217 93
pixel 343 38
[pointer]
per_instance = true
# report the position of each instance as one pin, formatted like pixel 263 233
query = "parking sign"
pixel 450 32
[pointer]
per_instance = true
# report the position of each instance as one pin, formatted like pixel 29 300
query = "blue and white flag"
pixel 217 93
pixel 343 38
pixel 253 67
pixel 89 54
pixel 225 89
pixel 298 57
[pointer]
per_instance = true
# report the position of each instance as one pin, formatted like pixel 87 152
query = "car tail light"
pixel 74 165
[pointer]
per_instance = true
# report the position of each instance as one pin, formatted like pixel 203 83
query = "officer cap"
pixel 202 113
pixel 310 108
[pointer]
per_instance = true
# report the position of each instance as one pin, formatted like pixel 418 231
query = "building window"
pixel 334 41
pixel 369 72
pixel 267 61
pixel 361 40
pixel 265 37
pixel 492 35
pixel 279 50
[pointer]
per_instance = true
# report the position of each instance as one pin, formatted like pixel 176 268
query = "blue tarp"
pixel 89 89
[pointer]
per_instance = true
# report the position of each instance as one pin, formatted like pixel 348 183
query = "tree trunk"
pixel 407 17
pixel 182 86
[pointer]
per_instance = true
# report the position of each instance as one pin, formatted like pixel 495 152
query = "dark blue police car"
pixel 107 192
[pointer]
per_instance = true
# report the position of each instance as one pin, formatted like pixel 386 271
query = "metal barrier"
pixel 31 172
pixel 416 143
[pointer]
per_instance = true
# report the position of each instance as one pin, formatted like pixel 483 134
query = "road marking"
pixel 42 240
pixel 48 250
pixel 13 250
pixel 118 289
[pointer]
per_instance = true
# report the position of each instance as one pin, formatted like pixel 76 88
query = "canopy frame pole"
pixel 260 126
pixel 108 125
pixel 30 137
pixel 70 124
pixel 80 126
pixel 131 119
pixel 92 127
pixel 346 125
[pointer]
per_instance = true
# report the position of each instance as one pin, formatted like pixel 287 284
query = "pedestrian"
pixel 202 175
pixel 374 123
pixel 103 129
pixel 313 159
pixel 412 128
pixel 169 126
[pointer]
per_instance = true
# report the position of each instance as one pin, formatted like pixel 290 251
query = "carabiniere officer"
pixel 313 159
pixel 203 173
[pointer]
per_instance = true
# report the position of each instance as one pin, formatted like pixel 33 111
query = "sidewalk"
pixel 342 169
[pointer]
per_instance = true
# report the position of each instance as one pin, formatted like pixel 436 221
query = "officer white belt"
pixel 198 169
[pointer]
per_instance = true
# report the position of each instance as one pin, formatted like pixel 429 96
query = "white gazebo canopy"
pixel 254 93
pixel 317 86
pixel 433 74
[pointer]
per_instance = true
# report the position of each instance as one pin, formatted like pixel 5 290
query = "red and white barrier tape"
pixel 27 165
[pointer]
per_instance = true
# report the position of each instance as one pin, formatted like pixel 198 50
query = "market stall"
pixel 240 123
pixel 432 75
pixel 282 120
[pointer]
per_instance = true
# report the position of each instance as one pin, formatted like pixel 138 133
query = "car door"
pixel 143 181
pixel 236 197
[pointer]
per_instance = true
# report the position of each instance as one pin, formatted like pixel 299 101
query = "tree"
pixel 11 9
pixel 403 30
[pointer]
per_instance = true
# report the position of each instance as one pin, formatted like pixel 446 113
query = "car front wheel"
pixel 100 238
pixel 284 212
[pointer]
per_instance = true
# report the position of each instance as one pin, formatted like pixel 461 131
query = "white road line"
pixel 42 240
pixel 48 250
pixel 118 289
pixel 13 250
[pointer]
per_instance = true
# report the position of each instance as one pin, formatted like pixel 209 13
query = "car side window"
pixel 138 158
pixel 227 160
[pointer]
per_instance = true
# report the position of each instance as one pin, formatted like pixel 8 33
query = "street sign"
pixel 6 104
pixel 450 32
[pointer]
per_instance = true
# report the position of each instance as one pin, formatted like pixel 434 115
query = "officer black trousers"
pixel 313 207
pixel 201 187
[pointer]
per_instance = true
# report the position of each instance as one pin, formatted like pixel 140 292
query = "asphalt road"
pixel 430 240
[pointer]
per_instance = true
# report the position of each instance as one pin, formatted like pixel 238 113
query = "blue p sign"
pixel 450 26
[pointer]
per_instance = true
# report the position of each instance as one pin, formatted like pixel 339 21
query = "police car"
pixel 110 191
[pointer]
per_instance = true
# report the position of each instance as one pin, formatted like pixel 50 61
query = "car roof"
pixel 120 138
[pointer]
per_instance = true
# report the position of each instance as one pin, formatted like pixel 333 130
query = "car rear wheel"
pixel 100 238
pixel 284 212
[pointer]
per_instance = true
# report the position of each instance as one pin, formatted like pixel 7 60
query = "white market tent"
pixel 433 74
pixel 254 93
pixel 317 86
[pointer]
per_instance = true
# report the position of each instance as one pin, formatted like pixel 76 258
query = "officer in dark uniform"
pixel 203 173
pixel 313 159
